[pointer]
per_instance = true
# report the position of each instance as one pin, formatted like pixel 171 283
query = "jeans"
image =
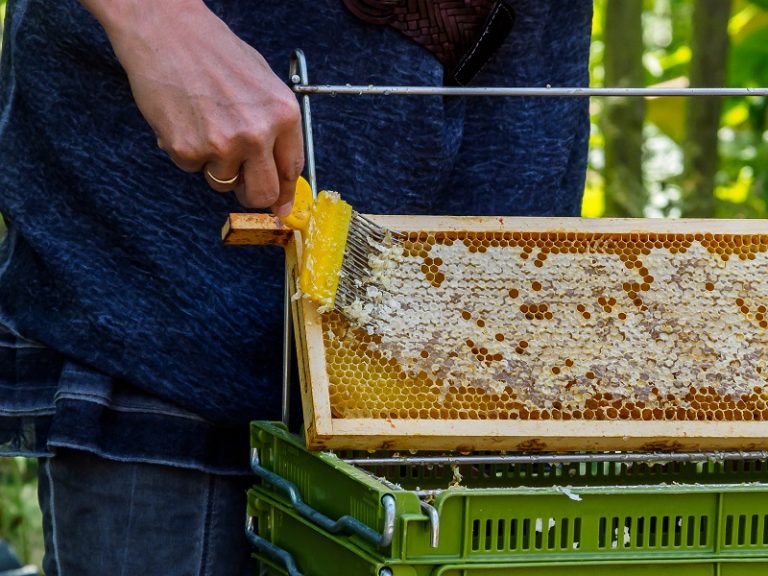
pixel 134 519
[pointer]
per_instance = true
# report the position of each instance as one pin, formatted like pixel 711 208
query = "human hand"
pixel 211 99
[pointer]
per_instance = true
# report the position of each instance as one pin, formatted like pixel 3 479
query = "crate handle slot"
pixel 346 524
pixel 266 547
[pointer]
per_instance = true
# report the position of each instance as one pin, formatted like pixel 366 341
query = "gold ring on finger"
pixel 225 182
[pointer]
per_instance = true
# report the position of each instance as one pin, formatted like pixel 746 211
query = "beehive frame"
pixel 703 417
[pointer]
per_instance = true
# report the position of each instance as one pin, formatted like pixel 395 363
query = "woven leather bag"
pixel 455 31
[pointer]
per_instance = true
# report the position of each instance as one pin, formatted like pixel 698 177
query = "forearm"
pixel 135 24
pixel 119 15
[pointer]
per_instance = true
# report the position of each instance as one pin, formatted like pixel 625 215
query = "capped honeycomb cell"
pixel 560 326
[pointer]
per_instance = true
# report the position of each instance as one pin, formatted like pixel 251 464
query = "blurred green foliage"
pixel 20 518
pixel 742 177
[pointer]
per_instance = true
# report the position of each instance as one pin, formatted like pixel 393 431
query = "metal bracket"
pixel 346 524
pixel 297 75
pixel 299 78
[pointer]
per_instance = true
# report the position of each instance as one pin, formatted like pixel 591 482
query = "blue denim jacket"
pixel 159 343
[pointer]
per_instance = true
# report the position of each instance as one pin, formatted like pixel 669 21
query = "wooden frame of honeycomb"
pixel 550 334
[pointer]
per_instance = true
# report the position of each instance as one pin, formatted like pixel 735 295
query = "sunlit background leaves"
pixel 740 164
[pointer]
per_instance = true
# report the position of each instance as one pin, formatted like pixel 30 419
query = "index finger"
pixel 289 162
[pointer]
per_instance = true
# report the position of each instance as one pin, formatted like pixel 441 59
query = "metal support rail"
pixel 559 458
pixel 546 91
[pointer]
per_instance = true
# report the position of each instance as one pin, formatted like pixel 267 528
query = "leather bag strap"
pixel 462 34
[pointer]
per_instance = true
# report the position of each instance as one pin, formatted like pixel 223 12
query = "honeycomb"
pixel 560 326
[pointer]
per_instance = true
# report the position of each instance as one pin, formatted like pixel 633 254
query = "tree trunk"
pixel 709 46
pixel 622 120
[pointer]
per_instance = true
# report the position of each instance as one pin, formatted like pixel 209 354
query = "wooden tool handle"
pixel 266 228
pixel 255 229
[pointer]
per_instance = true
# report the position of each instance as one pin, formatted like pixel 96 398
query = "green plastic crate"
pixel 318 553
pixel 707 513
